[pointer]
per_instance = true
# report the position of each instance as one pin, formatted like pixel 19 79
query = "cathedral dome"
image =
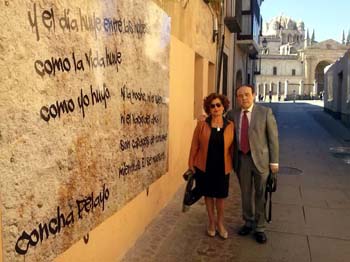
pixel 301 26
pixel 291 25
pixel 279 24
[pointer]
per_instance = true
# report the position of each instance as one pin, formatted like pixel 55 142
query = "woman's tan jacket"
pixel 200 144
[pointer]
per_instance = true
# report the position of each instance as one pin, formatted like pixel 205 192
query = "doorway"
pixel 238 84
pixel 339 96
pixel 319 76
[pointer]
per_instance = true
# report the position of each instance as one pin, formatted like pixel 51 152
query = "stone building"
pixel 292 62
pixel 337 89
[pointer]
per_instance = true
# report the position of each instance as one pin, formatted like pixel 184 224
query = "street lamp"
pixel 264 43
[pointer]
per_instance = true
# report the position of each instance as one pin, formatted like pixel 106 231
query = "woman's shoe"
pixel 223 233
pixel 211 232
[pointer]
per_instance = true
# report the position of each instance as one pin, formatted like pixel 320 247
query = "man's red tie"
pixel 244 133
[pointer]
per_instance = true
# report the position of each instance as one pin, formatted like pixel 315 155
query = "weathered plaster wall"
pixel 84 118
pixel 109 241
pixel 109 234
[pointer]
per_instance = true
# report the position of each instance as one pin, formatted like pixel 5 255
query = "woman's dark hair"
pixel 207 102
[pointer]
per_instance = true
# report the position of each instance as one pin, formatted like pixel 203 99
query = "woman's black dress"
pixel 214 182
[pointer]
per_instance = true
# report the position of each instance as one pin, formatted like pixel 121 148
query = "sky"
pixel 327 17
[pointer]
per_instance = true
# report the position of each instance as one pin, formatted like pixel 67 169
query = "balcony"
pixel 248 38
pixel 233 18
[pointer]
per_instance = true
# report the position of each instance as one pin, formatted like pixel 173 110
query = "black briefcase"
pixel 271 186
pixel 192 192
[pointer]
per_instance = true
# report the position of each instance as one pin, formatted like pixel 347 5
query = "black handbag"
pixel 271 186
pixel 192 192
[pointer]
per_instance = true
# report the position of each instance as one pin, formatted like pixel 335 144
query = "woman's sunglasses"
pixel 218 105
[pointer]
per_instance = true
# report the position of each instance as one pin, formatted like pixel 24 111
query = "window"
pixel 293 72
pixel 339 91
pixel 348 84
pixel 292 50
pixel 274 70
pixel 211 78
pixel 330 85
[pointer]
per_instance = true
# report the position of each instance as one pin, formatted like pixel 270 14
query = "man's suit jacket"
pixel 263 137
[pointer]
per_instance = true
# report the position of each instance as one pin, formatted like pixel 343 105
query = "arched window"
pixel 292 50
pixel 284 39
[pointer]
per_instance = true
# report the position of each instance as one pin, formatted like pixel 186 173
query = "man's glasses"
pixel 218 105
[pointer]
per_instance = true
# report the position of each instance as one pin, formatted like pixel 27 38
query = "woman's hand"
pixel 188 173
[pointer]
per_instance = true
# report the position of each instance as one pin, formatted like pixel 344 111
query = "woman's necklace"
pixel 218 128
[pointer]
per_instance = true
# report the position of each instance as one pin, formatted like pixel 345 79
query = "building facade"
pixel 337 89
pixel 292 62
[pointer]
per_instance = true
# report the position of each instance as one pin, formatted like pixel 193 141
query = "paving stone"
pixel 320 197
pixel 287 194
pixel 288 248
pixel 289 180
pixel 320 181
pixel 332 223
pixel 288 218
pixel 329 249
pixel 343 181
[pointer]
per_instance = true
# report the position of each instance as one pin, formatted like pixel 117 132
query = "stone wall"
pixel 84 117
pixel 337 89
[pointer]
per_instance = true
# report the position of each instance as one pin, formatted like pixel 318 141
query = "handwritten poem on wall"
pixel 83 115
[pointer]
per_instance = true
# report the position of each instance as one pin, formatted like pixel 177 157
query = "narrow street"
pixel 311 209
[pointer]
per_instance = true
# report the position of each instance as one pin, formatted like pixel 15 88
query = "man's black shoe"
pixel 244 231
pixel 260 237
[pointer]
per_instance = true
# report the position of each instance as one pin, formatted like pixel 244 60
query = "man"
pixel 257 143
pixel 294 96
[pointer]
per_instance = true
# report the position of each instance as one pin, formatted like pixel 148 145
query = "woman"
pixel 211 158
